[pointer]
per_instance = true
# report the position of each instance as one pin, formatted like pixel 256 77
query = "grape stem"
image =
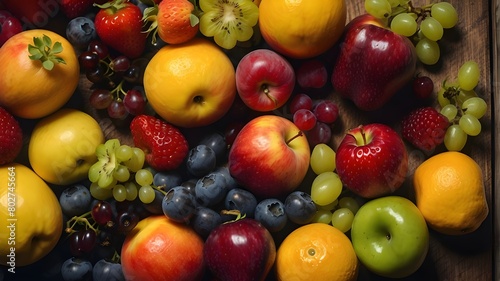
pixel 82 220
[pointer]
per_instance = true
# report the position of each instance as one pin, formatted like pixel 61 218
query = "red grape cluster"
pixel 117 81
pixel 315 117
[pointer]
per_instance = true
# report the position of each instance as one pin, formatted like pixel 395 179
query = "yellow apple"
pixel 62 146
pixel 30 217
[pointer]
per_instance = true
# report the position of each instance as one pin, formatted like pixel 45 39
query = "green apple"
pixel 390 236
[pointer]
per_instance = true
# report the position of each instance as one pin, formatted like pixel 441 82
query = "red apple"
pixel 373 63
pixel 242 250
pixel 372 160
pixel 264 80
pixel 269 157
pixel 160 249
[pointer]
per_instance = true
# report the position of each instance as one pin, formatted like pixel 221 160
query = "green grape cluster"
pixel 424 25
pixel 462 106
pixel 120 173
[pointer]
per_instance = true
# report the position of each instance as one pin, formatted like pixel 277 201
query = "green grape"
pixel 146 194
pixel 137 161
pixel 442 100
pixel 100 193
pixel 378 8
pixel 445 13
pixel 131 191
pixel 322 216
pixel 349 203
pixel 470 124
pixel 119 192
pixel 431 29
pixel 328 207
pixel 106 182
pixel 475 106
pixel 95 172
pixel 455 138
pixel 326 188
pixel 322 159
pixel 144 177
pixel 394 3
pixel 404 24
pixel 428 51
pixel 123 153
pixel 464 95
pixel 121 173
pixel 468 75
pixel 450 111
pixel 342 219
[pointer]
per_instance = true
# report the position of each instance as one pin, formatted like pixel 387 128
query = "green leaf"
pixel 47 41
pixel 38 42
pixel 57 48
pixel 48 64
pixel 43 51
pixel 193 20
pixel 33 50
pixel 36 56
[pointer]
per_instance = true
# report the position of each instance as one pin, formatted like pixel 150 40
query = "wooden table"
pixel 469 257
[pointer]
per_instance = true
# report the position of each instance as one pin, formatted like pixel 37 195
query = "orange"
pixel 302 28
pixel 191 84
pixel 449 191
pixel 28 90
pixel 316 251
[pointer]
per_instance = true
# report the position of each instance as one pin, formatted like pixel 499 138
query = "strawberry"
pixel 75 8
pixel 424 128
pixel 173 20
pixel 11 137
pixel 119 25
pixel 164 145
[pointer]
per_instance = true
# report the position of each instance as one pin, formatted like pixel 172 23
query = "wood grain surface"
pixel 450 258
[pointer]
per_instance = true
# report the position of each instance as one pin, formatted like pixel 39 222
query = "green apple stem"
pixel 299 134
pixel 236 213
pixel 265 89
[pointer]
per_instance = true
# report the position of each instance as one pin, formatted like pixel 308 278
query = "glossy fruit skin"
pixel 11 137
pixel 37 229
pixel 28 90
pixel 285 165
pixel 151 251
pixel 264 80
pixel 121 29
pixel 424 128
pixel 9 26
pixel 62 146
pixel 373 63
pixel 174 26
pixel 292 28
pixel 240 250
pixel 198 95
pixel 375 167
pixel 75 8
pixel 395 217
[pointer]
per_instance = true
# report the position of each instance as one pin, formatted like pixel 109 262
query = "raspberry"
pixel 11 137
pixel 424 128
pixel 163 144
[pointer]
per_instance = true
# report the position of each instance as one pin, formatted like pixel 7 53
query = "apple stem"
pixel 299 134
pixel 266 92
pixel 236 213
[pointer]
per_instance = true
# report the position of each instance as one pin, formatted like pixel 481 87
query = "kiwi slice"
pixel 228 21
pixel 102 172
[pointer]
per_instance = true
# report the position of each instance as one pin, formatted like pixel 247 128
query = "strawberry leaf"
pixel 193 20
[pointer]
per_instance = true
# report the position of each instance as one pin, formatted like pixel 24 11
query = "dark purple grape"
pixel 271 213
pixel 96 75
pixel 201 160
pixel 120 64
pixel 88 60
pixel 179 204
pixel 232 131
pixel 75 200
pixel 134 102
pixel 102 213
pixel 241 200
pixel 133 74
pixel 100 98
pixel 321 133
pixel 155 206
pixel 98 47
pixel 75 269
pixel 126 221
pixel 82 242
pixel 205 220
pixel 107 271
pixel 423 86
pixel 299 207
pixel 116 110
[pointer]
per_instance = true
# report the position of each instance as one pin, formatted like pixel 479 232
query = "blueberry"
pixel 271 213
pixel 74 269
pixel 167 179
pixel 241 200
pixel 80 31
pixel 205 220
pixel 179 204
pixel 230 181
pixel 211 189
pixel 75 200
pixel 201 160
pixel 217 143
pixel 299 207
pixel 107 271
